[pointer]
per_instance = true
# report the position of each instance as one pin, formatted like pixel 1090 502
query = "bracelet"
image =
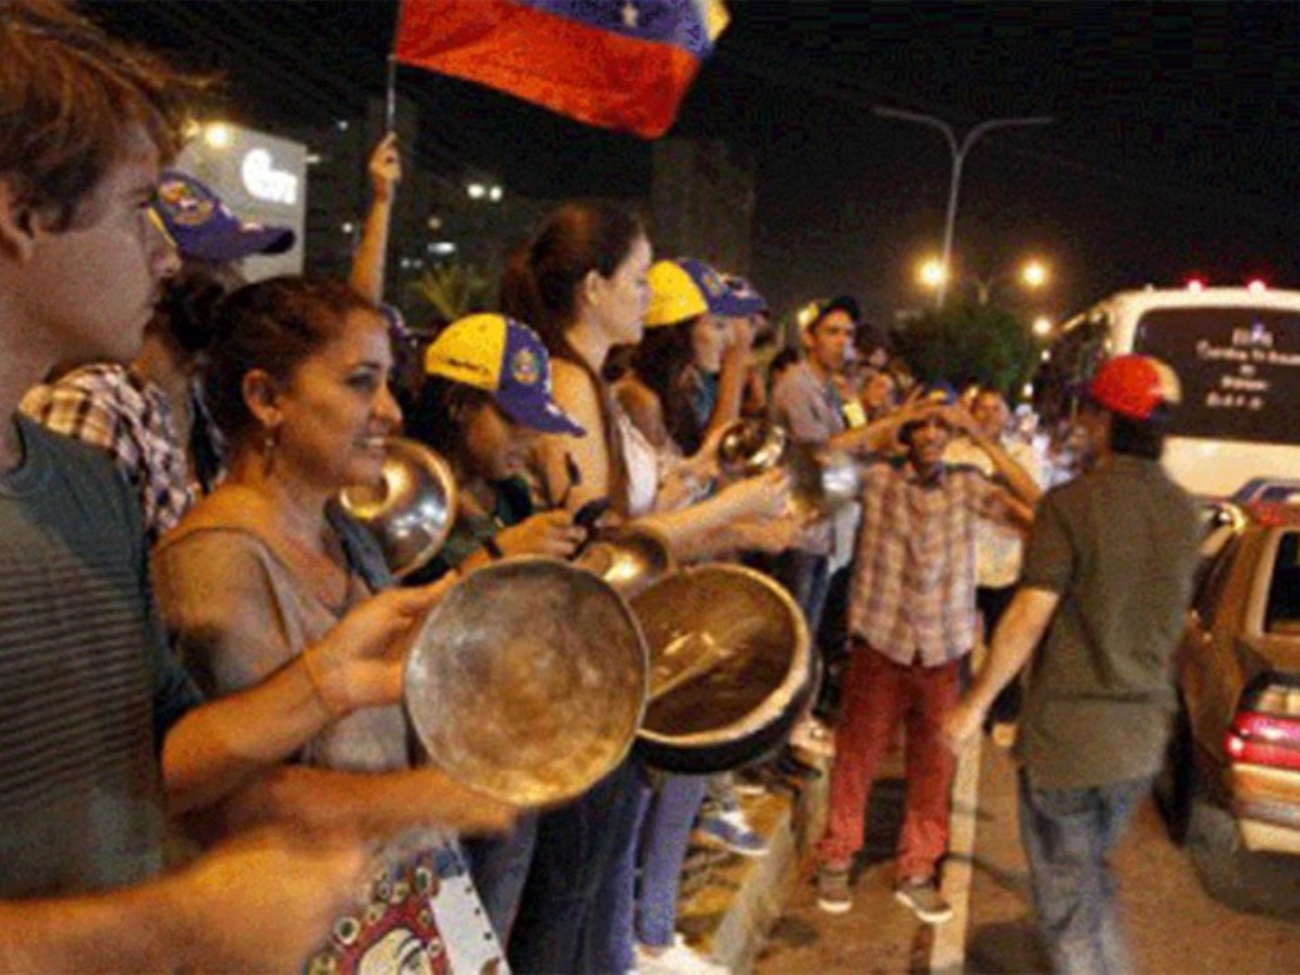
pixel 493 549
pixel 331 708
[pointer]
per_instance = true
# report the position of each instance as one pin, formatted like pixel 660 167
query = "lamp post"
pixel 959 151
pixel 1033 275
pixel 933 274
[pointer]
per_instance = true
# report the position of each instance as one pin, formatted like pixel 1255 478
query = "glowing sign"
pixel 264 182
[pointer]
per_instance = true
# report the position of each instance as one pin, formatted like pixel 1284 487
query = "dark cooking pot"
pixel 730 668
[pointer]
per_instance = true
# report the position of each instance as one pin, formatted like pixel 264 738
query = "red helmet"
pixel 1134 385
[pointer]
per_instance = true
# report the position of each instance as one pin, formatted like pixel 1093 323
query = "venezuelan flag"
pixel 616 64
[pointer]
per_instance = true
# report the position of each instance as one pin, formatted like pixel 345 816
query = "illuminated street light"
pixel 1042 326
pixel 1034 274
pixel 476 191
pixel 959 151
pixel 932 273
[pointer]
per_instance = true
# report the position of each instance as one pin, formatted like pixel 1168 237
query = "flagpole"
pixel 390 105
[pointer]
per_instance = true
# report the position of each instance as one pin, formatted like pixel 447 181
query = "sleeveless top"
pixel 642 466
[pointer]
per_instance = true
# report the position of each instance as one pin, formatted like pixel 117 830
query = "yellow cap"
pixel 470 351
pixel 674 295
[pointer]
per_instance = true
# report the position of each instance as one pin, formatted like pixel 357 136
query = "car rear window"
pixel 1283 615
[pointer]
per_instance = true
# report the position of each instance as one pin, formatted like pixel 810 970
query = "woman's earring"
pixel 270 441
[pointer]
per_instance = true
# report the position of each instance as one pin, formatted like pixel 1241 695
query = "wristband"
pixel 493 549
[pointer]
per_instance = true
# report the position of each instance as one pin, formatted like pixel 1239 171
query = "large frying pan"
pixel 528 681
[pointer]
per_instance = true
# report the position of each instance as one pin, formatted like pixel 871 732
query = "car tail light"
pixel 1266 727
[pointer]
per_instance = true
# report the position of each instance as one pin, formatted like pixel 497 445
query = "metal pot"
pixel 823 479
pixel 411 510
pixel 528 681
pixel 629 559
pixel 749 447
pixel 730 668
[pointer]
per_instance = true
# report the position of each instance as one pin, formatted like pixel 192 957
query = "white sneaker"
pixel 677 959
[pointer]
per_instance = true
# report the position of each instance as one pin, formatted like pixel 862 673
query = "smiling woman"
pixel 267 563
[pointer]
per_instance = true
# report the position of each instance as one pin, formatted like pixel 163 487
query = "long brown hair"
pixel 665 362
pixel 540 287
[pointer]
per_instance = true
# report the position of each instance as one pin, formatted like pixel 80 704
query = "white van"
pixel 1237 354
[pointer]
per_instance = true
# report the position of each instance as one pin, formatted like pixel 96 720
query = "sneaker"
pixel 677 959
pixel 922 897
pixel 833 894
pixel 729 829
pixel 814 738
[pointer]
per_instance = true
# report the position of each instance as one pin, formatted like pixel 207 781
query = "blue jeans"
pixel 499 866
pixel 665 832
pixel 1068 835
pixel 575 915
pixel 807 577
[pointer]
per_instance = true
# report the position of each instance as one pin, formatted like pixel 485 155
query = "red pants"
pixel 878 693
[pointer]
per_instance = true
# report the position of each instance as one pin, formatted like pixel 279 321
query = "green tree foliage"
pixel 453 290
pixel 967 343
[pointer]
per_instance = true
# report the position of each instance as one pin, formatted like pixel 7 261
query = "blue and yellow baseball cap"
pixel 205 228
pixel 508 360
pixel 683 288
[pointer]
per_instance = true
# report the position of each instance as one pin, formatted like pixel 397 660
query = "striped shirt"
pixel 118 411
pixel 912 595
pixel 87 688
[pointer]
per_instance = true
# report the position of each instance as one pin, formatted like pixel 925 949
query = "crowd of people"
pixel 204 759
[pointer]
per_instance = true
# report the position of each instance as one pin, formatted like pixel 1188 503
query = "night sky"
pixel 1175 150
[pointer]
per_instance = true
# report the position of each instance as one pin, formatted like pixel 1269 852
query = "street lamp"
pixel 959 151
pixel 1032 275
pixel 934 274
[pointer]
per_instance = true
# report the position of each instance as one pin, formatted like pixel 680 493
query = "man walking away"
pixel 1106 579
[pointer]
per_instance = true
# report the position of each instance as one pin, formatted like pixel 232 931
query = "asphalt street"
pixel 1173 925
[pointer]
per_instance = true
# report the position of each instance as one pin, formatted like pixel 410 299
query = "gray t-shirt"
pixel 1119 546
pixel 87 687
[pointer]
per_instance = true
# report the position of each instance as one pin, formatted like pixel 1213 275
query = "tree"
pixel 966 343
pixel 453 290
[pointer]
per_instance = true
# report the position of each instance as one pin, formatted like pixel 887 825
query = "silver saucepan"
pixel 411 510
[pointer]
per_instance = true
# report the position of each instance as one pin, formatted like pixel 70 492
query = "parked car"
pixel 1231 788
pixel 1267 490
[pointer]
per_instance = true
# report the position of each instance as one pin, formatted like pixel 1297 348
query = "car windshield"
pixel 1239 367
pixel 1283 614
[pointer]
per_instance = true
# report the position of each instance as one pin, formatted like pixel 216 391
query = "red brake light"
pixel 1261 739
pixel 1256 286
pixel 1195 284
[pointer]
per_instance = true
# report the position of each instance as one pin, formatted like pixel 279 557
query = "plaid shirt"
pixel 912 596
pixel 128 417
